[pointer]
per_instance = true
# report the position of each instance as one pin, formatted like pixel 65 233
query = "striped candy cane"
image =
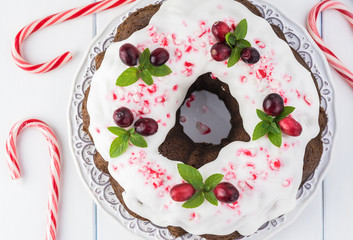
pixel 312 29
pixel 51 20
pixel 54 167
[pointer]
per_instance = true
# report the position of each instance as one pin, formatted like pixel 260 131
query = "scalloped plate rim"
pixel 320 176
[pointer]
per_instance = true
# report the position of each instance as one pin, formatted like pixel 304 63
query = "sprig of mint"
pixel 203 190
pixel 270 126
pixel 145 71
pixel 237 42
pixel 121 142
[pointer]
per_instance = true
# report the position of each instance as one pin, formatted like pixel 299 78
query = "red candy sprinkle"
pixel 190 100
pixel 260 44
pixel 188 68
pixel 203 128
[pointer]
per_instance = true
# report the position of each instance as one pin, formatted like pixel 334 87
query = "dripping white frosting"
pixel 267 177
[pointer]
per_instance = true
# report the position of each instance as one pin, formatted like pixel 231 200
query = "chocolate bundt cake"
pixel 266 176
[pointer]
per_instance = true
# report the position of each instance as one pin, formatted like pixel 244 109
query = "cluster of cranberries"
pixel 273 105
pixel 123 117
pixel 225 192
pixel 130 55
pixel 221 51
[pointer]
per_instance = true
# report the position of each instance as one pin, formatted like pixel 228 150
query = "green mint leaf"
pixel 125 137
pixel 241 30
pixel 274 128
pixel 117 131
pixel 234 57
pixel 159 71
pixel 118 147
pixel 199 186
pixel 138 140
pixel 128 77
pixel 211 198
pixel 147 77
pixel 212 181
pixel 263 116
pixel 242 43
pixel 191 175
pixel 145 59
pixel 286 111
pixel 194 201
pixel 230 39
pixel 131 131
pixel 266 124
pixel 188 172
pixel 276 139
pixel 259 132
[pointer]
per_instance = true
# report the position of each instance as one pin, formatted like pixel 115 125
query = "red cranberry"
pixel 182 192
pixel 146 126
pixel 123 117
pixel 220 52
pixel 226 192
pixel 250 55
pixel 129 54
pixel 273 104
pixel 220 30
pixel 159 57
pixel 290 127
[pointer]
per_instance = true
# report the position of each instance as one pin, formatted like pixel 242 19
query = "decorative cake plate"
pixel 98 183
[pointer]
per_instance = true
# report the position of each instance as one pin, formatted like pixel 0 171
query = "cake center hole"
pixel 205 118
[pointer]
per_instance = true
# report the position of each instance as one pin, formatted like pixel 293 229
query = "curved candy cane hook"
pixel 54 153
pixel 51 20
pixel 312 29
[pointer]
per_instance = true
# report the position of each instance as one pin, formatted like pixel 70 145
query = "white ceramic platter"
pixel 98 182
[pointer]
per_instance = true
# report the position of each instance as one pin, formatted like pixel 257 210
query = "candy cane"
pixel 54 167
pixel 51 20
pixel 311 25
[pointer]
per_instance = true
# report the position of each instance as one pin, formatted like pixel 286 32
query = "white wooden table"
pixel 23 203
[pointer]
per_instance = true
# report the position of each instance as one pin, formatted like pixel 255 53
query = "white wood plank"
pixel 339 182
pixel 22 95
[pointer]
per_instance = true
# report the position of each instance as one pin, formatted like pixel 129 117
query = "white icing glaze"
pixel 266 176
